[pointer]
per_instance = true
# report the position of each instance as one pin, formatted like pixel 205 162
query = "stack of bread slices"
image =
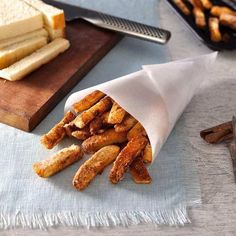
pixel 32 33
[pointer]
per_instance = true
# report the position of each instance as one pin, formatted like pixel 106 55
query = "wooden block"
pixel 23 104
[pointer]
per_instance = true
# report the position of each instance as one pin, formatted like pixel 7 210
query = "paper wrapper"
pixel 156 95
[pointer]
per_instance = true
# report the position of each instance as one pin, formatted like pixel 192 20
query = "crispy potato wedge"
pixel 207 4
pixel 218 10
pixel 116 114
pixel 181 5
pixel 88 101
pixel 200 19
pixel 99 108
pixel 95 125
pixel 94 166
pixel 228 19
pixel 58 162
pixel 81 134
pixel 136 131
pixel 128 122
pixel 139 172
pixel 70 128
pixel 98 141
pixel 126 157
pixel 147 154
pixel 57 133
pixel 214 29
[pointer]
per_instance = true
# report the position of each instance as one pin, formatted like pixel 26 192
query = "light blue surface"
pixel 165 199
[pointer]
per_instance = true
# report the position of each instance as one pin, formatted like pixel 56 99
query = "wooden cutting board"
pixel 23 104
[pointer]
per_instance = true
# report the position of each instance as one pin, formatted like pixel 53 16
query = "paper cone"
pixel 157 95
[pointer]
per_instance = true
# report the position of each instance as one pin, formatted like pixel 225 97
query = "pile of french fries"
pixel 219 15
pixel 107 132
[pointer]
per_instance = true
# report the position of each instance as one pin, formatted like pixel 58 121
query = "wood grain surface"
pixel 23 104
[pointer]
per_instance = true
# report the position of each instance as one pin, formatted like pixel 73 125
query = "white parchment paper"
pixel 156 95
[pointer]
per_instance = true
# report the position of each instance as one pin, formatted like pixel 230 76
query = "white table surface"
pixel 217 214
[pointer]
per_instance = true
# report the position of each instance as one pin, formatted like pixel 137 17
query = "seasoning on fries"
pixel 94 165
pixel 57 133
pixel 58 162
pixel 108 132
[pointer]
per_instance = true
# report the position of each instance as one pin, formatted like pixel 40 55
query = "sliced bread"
pixel 15 52
pixel 7 42
pixel 30 63
pixel 55 33
pixel 53 17
pixel 17 18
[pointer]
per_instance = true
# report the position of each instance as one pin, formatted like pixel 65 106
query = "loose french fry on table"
pixel 58 161
pixel 214 29
pixel 200 20
pixel 228 19
pixel 116 114
pixel 96 142
pixel 147 154
pixel 88 101
pixel 127 155
pixel 218 10
pixel 128 122
pixel 136 131
pixel 95 165
pixel 57 133
pixel 99 108
pixel 207 4
pixel 181 5
pixel 139 171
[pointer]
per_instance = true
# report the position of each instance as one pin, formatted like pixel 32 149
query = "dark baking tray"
pixel 204 35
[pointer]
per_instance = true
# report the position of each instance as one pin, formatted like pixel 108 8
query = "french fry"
pixel 88 101
pixel 57 133
pixel 126 157
pixel 58 162
pixel 116 114
pixel 147 154
pixel 181 5
pixel 70 128
pixel 99 108
pixel 95 125
pixel 214 29
pixel 218 10
pixel 136 131
pixel 200 20
pixel 207 4
pixel 104 117
pixel 196 3
pixel 81 134
pixel 98 141
pixel 94 166
pixel 139 172
pixel 229 20
pixel 128 122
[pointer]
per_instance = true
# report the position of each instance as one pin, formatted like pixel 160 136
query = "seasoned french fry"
pixel 128 122
pixel 58 162
pixel 94 166
pixel 95 125
pixel 229 20
pixel 139 172
pixel 136 131
pixel 147 154
pixel 88 101
pixel 200 20
pixel 181 5
pixel 69 128
pixel 214 29
pixel 85 117
pixel 207 4
pixel 98 141
pixel 57 133
pixel 81 134
pixel 218 10
pixel 196 3
pixel 116 115
pixel 126 157
pixel 104 117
